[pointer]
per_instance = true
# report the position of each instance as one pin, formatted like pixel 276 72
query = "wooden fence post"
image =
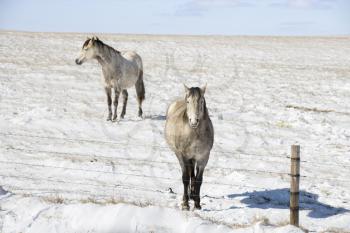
pixel 294 185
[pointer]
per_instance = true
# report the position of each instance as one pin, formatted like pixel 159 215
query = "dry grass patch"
pixel 307 109
pixel 54 199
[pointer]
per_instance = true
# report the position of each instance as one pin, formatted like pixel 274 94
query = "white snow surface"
pixel 64 168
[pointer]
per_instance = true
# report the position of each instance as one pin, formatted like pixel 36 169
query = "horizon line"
pixel 178 34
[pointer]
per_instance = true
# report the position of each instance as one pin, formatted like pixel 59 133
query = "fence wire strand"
pixel 161 148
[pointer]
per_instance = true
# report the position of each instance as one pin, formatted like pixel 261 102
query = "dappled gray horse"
pixel 121 70
pixel 190 134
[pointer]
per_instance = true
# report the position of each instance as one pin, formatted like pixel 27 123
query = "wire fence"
pixel 136 160
pixel 115 189
pixel 131 174
pixel 161 148
pixel 118 143
pixel 256 157
pixel 252 156
pixel 169 178
pixel 58 195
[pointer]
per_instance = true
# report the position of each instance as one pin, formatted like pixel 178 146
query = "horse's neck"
pixel 205 113
pixel 107 55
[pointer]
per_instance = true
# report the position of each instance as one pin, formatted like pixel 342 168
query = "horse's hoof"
pixel 140 113
pixel 109 119
pixel 185 206
pixel 197 206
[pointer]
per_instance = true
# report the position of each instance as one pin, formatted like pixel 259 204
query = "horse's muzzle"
pixel 194 124
pixel 78 62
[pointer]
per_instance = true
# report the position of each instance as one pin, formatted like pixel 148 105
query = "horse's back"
pixel 132 56
pixel 130 68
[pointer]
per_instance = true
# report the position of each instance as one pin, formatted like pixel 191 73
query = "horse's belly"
pixel 107 82
pixel 121 83
pixel 127 82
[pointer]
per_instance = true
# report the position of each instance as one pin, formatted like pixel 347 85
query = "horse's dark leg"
pixel 193 179
pixel 125 101
pixel 185 181
pixel 197 185
pixel 108 91
pixel 140 91
pixel 115 103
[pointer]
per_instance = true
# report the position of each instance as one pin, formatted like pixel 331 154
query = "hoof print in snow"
pixel 170 191
pixel 2 191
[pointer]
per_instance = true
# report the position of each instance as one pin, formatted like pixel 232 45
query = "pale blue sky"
pixel 225 17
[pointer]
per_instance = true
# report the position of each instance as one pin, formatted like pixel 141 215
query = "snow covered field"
pixel 65 169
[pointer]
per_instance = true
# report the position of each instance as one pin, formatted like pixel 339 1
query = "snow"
pixel 115 218
pixel 65 169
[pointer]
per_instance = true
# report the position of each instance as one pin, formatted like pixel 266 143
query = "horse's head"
pixel 88 51
pixel 195 105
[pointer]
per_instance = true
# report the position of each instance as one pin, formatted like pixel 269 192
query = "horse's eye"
pixel 85 49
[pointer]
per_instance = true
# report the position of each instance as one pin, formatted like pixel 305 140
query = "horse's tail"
pixel 140 88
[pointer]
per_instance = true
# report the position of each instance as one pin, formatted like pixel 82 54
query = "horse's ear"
pixel 187 89
pixel 203 89
pixel 95 38
pixel 88 38
pixel 91 42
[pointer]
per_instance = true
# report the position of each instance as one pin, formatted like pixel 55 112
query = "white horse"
pixel 121 70
pixel 190 134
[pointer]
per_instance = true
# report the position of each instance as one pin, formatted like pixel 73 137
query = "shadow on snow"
pixel 279 199
pixel 156 117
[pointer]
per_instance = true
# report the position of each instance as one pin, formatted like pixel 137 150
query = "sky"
pixel 191 17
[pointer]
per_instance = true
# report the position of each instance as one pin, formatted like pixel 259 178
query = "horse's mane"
pixel 196 91
pixel 100 43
